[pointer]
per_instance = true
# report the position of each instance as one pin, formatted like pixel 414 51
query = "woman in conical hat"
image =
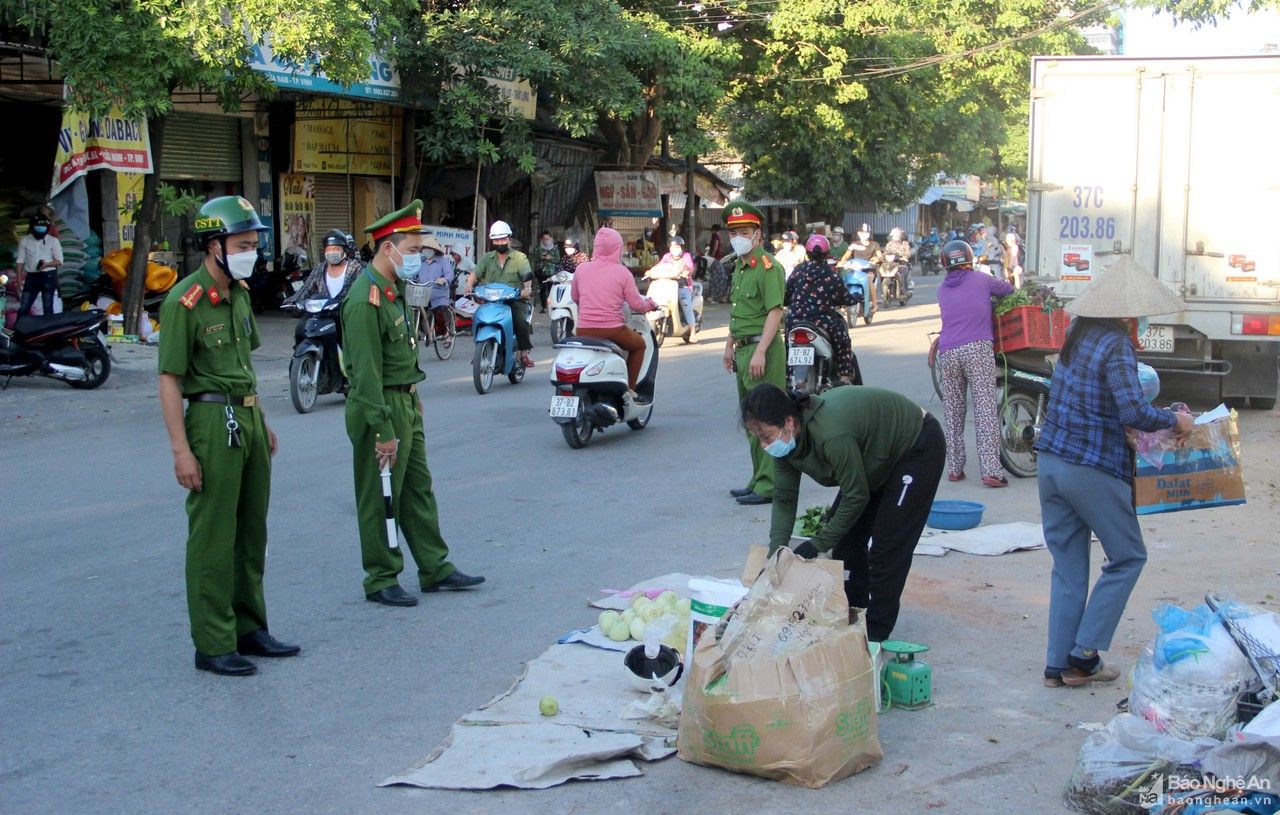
pixel 1085 472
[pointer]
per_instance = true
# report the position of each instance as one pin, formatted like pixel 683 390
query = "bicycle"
pixel 436 326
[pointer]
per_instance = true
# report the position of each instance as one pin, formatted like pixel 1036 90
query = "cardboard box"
pixel 804 715
pixel 1205 471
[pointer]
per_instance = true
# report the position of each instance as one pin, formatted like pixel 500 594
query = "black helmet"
pixel 38 219
pixel 336 237
pixel 956 254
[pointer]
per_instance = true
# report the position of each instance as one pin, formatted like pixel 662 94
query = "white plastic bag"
pixel 1186 708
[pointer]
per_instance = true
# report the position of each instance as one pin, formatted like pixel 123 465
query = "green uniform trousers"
pixel 775 373
pixel 413 501
pixel 227 527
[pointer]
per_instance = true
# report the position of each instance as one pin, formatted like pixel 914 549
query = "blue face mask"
pixel 39 231
pixel 1143 322
pixel 409 264
pixel 780 447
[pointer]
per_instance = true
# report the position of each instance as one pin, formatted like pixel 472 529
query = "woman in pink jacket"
pixel 600 287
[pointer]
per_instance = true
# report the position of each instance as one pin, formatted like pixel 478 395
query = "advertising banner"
pixel 298 214
pixel 128 194
pixel 382 83
pixel 333 136
pixel 628 194
pixel 519 94
pixel 453 239
pixel 109 142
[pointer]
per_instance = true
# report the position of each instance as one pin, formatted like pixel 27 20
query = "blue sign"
pixel 383 82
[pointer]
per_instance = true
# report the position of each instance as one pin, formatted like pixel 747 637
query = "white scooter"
pixel 561 308
pixel 590 378
pixel 668 319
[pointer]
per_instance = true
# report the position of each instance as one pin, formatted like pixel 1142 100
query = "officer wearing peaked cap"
pixel 384 417
pixel 755 350
pixel 222 445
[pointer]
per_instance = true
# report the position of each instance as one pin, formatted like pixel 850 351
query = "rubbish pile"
pixel 1203 729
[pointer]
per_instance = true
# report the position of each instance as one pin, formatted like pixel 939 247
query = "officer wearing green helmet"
pixel 222 445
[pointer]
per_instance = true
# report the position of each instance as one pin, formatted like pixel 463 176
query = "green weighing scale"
pixel 906 683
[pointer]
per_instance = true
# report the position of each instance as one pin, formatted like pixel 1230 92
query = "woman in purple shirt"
pixel 965 351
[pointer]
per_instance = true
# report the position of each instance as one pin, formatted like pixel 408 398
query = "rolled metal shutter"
pixel 199 146
pixel 333 206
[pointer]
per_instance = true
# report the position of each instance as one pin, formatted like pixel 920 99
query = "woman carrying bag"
pixel 1085 470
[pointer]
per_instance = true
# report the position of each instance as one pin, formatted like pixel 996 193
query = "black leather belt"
pixel 401 388
pixel 225 399
pixel 745 341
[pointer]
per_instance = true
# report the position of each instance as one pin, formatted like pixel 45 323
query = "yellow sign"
pixel 520 95
pixel 338 136
pixel 128 194
pixel 109 142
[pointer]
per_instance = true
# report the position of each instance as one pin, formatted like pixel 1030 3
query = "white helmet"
pixel 500 229
pixel 896 233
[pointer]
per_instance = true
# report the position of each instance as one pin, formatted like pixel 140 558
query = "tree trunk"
pixel 135 284
pixel 409 168
pixel 690 207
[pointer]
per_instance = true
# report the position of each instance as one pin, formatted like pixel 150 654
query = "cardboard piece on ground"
pixel 995 539
pixel 1201 472
pixel 804 716
pixel 508 742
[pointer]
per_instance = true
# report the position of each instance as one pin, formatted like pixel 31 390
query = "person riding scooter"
pixel 816 294
pixel 600 287
pixel 678 265
pixel 333 277
pixel 511 268
pixel 900 249
pixel 866 248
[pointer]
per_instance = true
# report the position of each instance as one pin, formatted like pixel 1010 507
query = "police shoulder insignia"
pixel 192 296
pixel 375 297
pixel 768 264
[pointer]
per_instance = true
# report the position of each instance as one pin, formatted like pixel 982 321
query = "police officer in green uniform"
pixel 384 418
pixel 222 446
pixel 755 351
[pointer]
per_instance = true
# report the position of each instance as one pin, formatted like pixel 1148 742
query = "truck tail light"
pixel 1258 325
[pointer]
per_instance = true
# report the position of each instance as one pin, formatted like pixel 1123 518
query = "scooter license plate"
pixel 565 407
pixel 800 356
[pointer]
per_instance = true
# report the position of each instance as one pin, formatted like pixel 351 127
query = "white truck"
pixel 1175 161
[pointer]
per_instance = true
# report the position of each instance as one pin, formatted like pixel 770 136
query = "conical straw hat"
pixel 1125 289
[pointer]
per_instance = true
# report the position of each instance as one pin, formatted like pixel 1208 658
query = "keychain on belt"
pixel 233 428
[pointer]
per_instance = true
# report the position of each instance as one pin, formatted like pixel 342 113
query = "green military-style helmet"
pixel 226 215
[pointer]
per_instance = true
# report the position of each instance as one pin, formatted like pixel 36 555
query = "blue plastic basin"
pixel 955 514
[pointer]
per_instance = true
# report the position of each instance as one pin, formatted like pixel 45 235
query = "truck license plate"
pixel 564 407
pixel 1157 339
pixel 800 356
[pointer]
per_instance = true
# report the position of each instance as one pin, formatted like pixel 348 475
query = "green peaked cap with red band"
pixel 740 213
pixel 407 220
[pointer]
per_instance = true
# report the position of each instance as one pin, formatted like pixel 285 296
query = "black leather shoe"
pixel 455 581
pixel 261 644
pixel 392 596
pixel 751 499
pixel 740 491
pixel 228 664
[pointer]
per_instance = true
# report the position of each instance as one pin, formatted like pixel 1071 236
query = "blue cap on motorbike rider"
pixel 957 254
pixel 336 247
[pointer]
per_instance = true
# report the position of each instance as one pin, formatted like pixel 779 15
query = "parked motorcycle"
pixel 561 308
pixel 1022 378
pixel 855 273
pixel 268 287
pixel 69 346
pixel 668 318
pixel 895 277
pixel 590 379
pixel 495 336
pixel 316 367
pixel 808 358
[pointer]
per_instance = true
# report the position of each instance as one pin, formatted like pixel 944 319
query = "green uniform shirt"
pixel 759 286
pixel 206 338
pixel 513 273
pixel 378 346
pixel 851 438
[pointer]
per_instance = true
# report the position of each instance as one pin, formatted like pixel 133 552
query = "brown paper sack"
pixel 787 691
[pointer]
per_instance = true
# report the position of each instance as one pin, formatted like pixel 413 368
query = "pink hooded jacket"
pixel 603 284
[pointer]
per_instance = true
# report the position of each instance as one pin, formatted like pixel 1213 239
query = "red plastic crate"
pixel 1030 328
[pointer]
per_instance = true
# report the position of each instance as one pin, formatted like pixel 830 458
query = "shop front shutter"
pixel 202 147
pixel 333 207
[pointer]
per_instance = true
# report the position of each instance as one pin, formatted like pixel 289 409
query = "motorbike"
pixel 495 336
pixel 809 358
pixel 69 346
pixel 1022 378
pixel 668 318
pixel 895 277
pixel 930 255
pixel 268 287
pixel 590 379
pixel 855 274
pixel 561 308
pixel 316 367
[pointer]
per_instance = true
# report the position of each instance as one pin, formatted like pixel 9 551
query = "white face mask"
pixel 569 250
pixel 241 264
pixel 741 245
pixel 548 245
pixel 676 251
